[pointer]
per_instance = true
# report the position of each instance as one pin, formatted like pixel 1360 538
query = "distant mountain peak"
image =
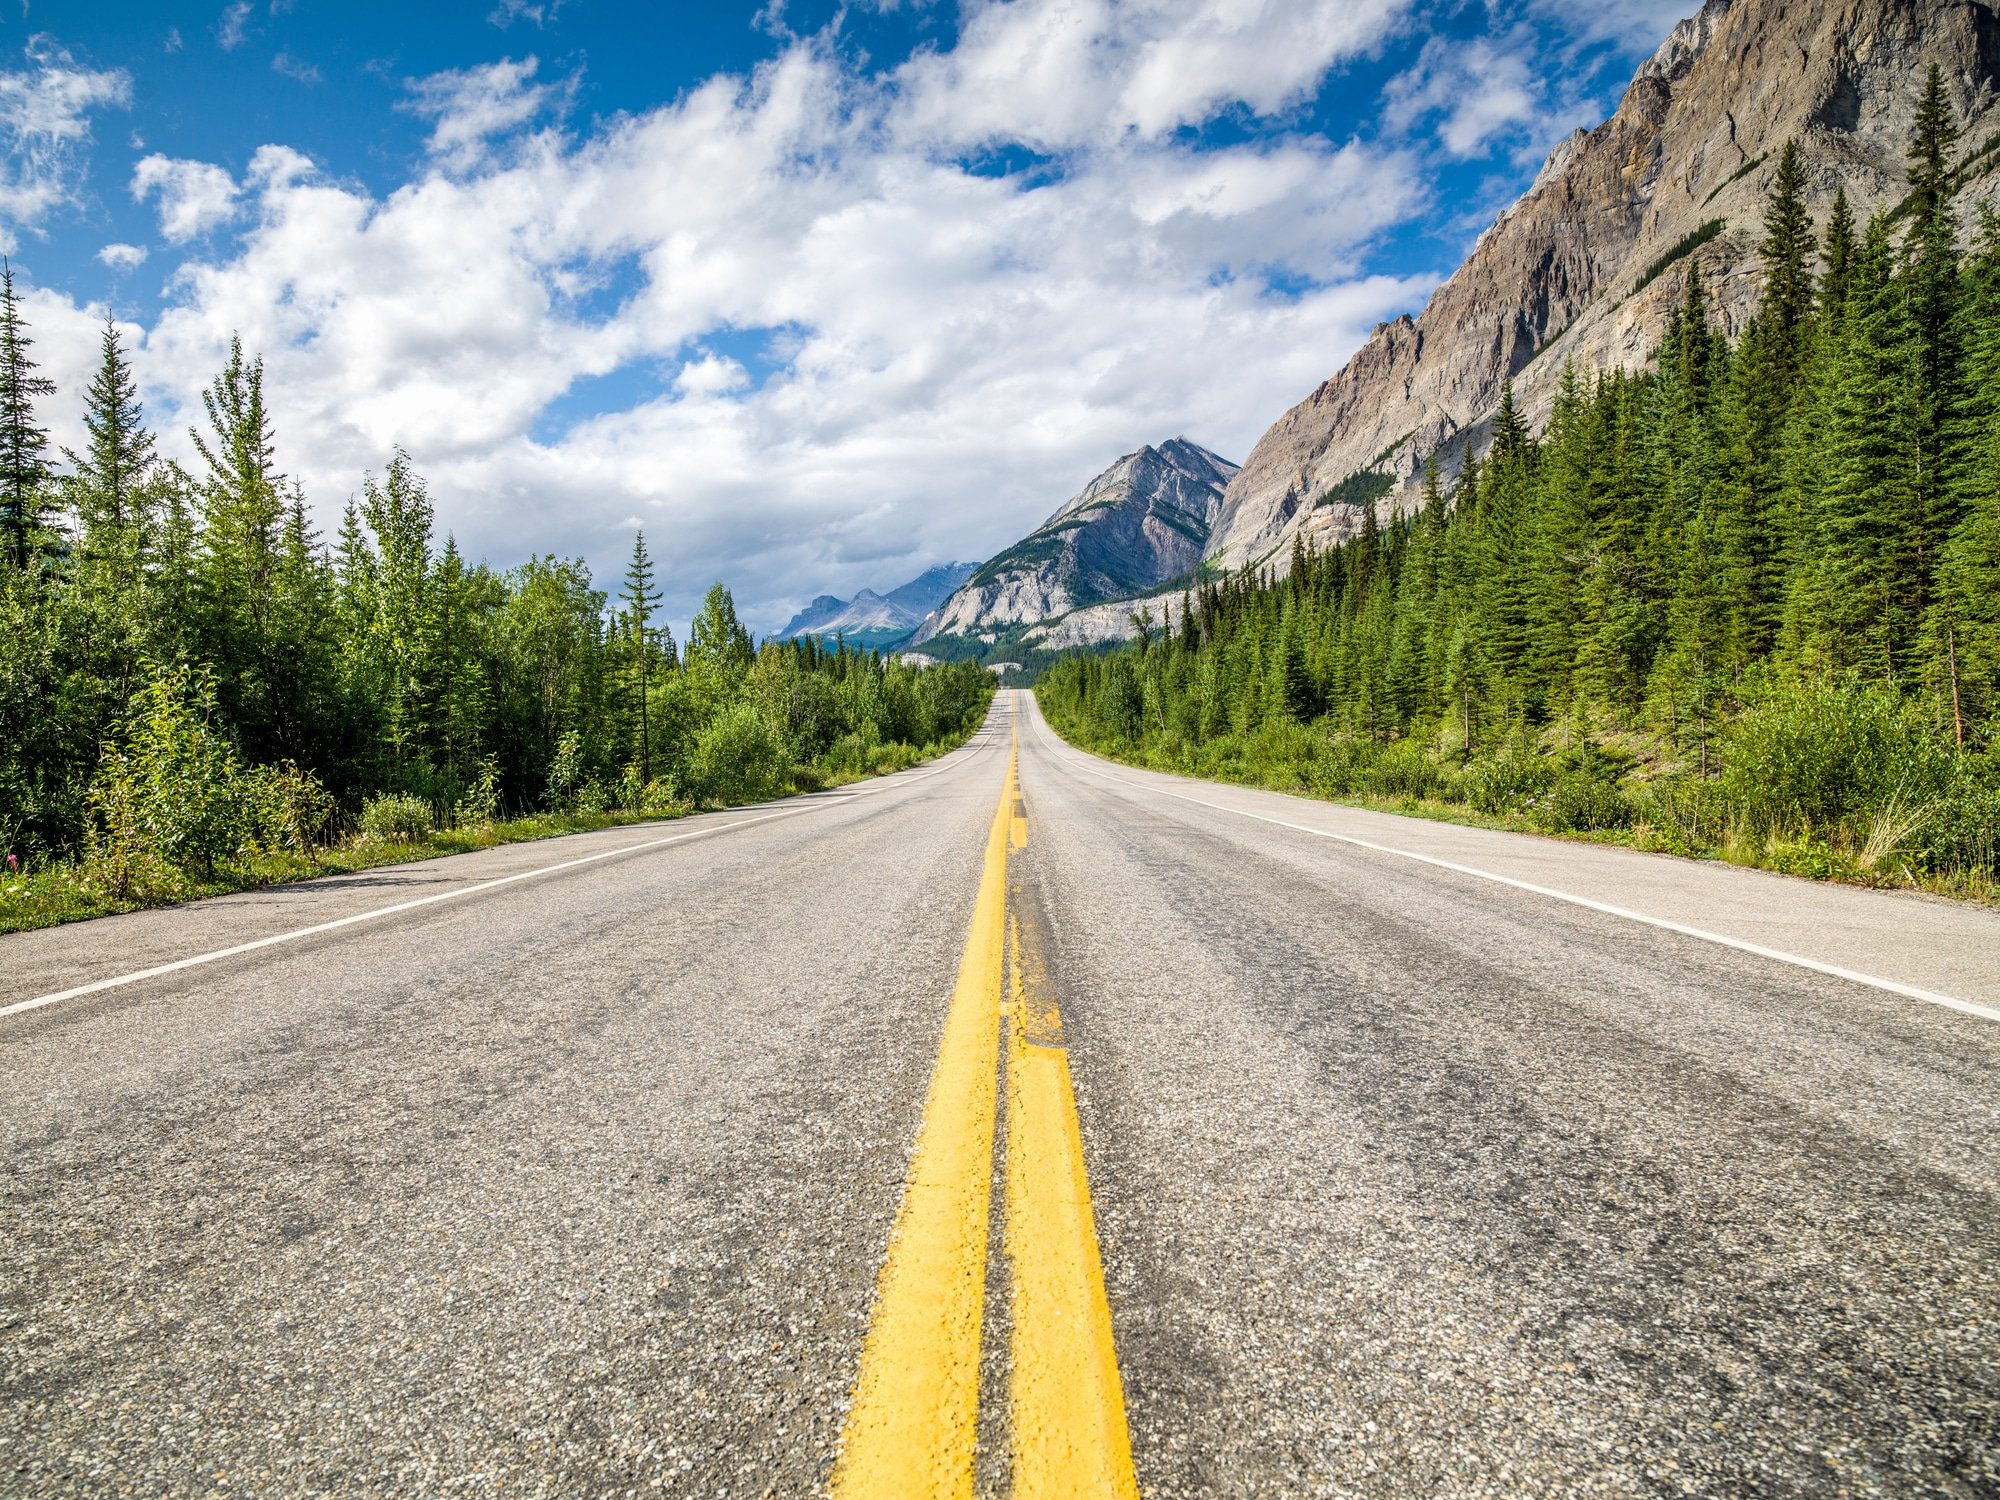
pixel 879 620
pixel 1144 520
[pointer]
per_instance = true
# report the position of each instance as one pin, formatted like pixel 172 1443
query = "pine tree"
pixel 641 599
pixel 1839 258
pixel 1788 252
pixel 1872 537
pixel 24 475
pixel 109 485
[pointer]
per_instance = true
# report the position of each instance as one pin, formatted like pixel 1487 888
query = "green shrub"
pixel 1580 803
pixel 173 790
pixel 1509 781
pixel 288 807
pixel 397 816
pixel 566 770
pixel 480 806
pixel 739 757
pixel 1826 758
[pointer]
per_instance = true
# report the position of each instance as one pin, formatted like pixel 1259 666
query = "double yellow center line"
pixel 914 1421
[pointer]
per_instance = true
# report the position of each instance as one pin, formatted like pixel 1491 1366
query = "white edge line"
pixel 1911 991
pixel 485 885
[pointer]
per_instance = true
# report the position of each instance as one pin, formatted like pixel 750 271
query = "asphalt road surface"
pixel 1394 1177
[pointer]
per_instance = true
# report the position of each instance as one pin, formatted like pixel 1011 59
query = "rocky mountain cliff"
pixel 1143 521
pixel 872 619
pixel 1585 266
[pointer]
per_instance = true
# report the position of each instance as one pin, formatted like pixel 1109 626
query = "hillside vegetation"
pixel 1747 602
pixel 197 693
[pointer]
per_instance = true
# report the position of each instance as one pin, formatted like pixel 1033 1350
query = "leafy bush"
pixel 566 770
pixel 1580 803
pixel 1827 758
pixel 397 816
pixel 288 807
pixel 1509 781
pixel 739 757
pixel 480 806
pixel 172 791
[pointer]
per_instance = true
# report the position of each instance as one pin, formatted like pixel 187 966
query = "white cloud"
pixel 1640 24
pixel 229 30
pixel 839 356
pixel 44 124
pixel 195 196
pixel 1057 74
pixel 476 104
pixel 292 67
pixel 123 257
pixel 507 12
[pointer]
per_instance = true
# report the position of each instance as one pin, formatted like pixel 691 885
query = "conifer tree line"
pixel 1798 528
pixel 135 592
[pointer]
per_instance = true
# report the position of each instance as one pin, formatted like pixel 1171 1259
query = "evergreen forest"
pixel 198 690
pixel 1746 601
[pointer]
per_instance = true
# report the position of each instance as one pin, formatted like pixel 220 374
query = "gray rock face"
pixel 1697 137
pixel 1146 519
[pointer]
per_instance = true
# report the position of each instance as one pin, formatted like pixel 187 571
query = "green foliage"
pixel 1363 487
pixel 397 816
pixel 1745 602
pixel 170 790
pixel 739 757
pixel 1680 250
pixel 1737 176
pixel 1829 757
pixel 382 683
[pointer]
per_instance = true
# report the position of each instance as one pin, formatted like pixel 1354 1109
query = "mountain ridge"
pixel 1557 277
pixel 879 620
pixel 1146 519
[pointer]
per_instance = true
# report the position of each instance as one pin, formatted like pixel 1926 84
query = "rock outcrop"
pixel 1558 277
pixel 1143 521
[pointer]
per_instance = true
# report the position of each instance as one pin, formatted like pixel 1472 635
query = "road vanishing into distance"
pixel 1018 1125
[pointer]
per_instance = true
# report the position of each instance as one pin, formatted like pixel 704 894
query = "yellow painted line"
pixel 915 1415
pixel 1070 1437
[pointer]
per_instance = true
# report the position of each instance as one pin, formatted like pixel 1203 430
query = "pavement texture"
pixel 1404 1181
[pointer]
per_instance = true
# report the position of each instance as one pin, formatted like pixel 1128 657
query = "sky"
pixel 816 295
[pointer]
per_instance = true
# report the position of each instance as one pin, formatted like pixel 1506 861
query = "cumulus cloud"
pixel 45 114
pixel 473 105
pixel 122 257
pixel 195 196
pixel 1485 93
pixel 1640 24
pixel 837 354
pixel 1058 74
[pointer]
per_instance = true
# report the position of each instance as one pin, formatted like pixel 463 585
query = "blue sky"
pixel 819 295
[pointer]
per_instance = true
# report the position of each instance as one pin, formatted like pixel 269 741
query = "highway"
pixel 1021 1124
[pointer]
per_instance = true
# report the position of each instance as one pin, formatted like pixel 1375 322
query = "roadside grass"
pixel 1230 761
pixel 48 895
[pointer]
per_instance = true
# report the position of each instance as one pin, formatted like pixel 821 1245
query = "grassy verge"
pixel 1809 859
pixel 60 893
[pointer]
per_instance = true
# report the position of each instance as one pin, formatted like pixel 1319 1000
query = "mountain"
pixel 1143 521
pixel 1585 266
pixel 881 620
pixel 927 591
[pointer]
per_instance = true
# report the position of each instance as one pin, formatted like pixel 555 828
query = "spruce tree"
pixel 1872 539
pixel 641 599
pixel 1839 258
pixel 1788 252
pixel 24 475
pixel 108 487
